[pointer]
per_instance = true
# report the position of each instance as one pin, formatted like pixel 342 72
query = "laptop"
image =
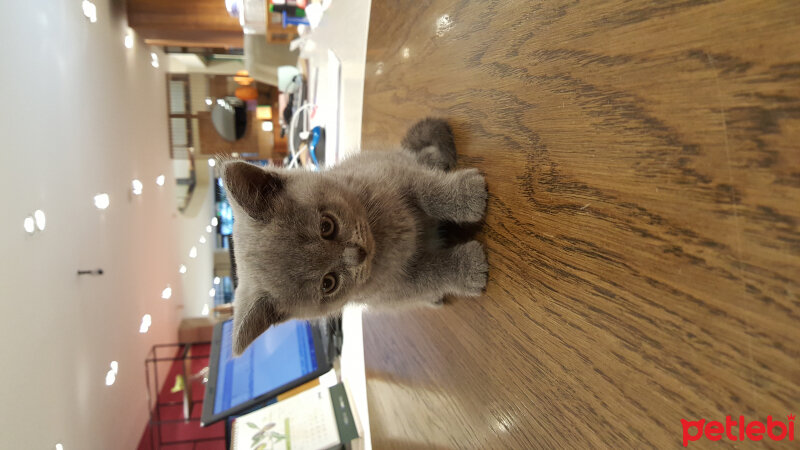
pixel 282 358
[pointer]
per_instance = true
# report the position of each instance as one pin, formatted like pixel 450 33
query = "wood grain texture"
pixel 644 174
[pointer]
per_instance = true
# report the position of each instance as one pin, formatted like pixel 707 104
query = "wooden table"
pixel 643 164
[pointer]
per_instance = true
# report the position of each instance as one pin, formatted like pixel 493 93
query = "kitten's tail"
pixel 431 141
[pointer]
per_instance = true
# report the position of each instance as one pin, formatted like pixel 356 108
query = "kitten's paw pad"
pixel 475 268
pixel 473 187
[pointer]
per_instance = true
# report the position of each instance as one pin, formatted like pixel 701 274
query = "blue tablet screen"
pixel 281 355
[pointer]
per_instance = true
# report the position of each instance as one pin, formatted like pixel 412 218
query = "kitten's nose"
pixel 354 255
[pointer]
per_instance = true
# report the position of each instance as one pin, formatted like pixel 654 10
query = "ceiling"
pixel 83 114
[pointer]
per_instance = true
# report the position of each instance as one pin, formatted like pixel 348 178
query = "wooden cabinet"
pixel 185 23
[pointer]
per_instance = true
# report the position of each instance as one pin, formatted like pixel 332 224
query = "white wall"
pixel 81 115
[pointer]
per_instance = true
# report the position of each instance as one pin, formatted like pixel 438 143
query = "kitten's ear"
pixel 253 188
pixel 250 320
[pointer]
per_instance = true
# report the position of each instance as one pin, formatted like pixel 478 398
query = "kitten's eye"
pixel 327 227
pixel 329 283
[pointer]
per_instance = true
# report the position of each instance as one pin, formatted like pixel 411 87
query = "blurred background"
pixel 121 228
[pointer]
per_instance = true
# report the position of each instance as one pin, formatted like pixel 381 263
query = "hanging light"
pixel 243 78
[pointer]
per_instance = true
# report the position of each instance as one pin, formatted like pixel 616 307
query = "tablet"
pixel 285 356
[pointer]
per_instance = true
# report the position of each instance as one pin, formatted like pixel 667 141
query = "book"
pixel 316 419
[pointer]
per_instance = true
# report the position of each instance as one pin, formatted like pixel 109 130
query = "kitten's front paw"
pixel 475 194
pixel 474 268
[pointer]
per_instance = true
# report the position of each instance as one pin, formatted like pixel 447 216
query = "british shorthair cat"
pixel 365 231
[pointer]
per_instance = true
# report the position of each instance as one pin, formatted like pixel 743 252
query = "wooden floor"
pixel 643 162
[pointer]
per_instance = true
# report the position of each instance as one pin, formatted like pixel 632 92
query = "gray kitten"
pixel 365 231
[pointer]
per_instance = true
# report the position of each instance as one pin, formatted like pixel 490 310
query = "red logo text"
pixel 738 430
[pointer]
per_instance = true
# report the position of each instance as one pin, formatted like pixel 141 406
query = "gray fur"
pixel 432 142
pixel 386 251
